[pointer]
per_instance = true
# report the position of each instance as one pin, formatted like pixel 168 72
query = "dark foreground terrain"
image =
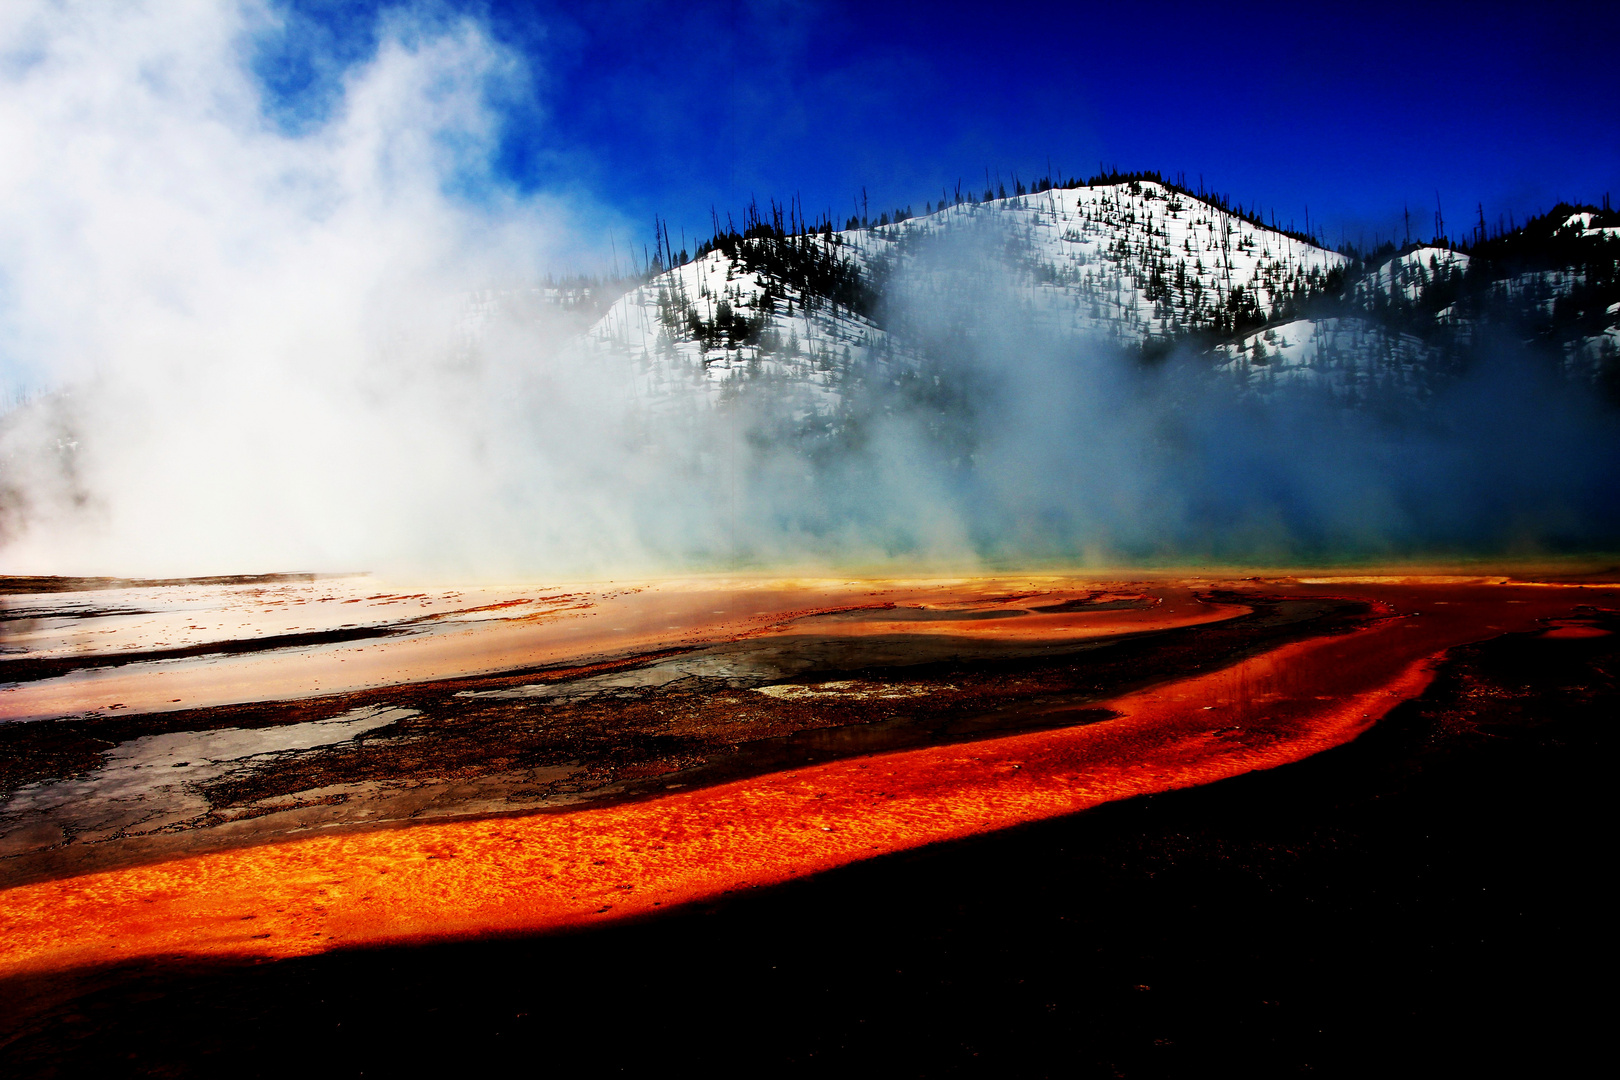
pixel 1423 901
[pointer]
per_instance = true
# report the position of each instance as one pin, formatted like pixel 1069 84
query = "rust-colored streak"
pixel 1165 607
pixel 602 622
pixel 543 872
pixel 1575 628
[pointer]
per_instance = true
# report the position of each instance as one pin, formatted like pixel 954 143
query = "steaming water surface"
pixel 434 632
pixel 547 871
pixel 154 782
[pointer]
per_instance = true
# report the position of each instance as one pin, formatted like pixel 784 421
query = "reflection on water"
pixel 851 690
pixel 155 648
pixel 154 782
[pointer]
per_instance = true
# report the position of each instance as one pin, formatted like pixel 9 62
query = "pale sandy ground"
pixel 451 632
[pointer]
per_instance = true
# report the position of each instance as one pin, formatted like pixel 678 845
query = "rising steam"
pixel 251 348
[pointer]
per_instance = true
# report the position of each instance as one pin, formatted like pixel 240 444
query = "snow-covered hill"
pixel 1129 263
pixel 1405 276
pixel 1354 358
pixel 1414 319
pixel 809 316
pixel 713 324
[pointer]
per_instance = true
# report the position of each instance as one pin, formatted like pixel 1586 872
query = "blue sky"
pixel 1354 111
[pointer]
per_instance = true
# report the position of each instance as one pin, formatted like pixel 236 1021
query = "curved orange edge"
pixel 521 875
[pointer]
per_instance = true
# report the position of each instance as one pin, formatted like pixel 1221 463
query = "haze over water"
pixel 248 343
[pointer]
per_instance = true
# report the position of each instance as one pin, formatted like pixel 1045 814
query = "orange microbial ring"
pixel 548 871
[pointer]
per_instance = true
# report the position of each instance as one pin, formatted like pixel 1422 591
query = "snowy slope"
pixel 1128 263
pixel 1133 264
pixel 810 349
pixel 1584 223
pixel 1406 276
pixel 1406 331
pixel 1352 358
pixel 1132 261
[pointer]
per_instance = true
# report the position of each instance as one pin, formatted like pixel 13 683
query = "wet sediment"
pixel 554 738
pixel 29 669
pixel 1379 903
pixel 496 874
pixel 48 583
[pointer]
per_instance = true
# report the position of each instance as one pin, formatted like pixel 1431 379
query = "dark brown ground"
pixel 11 583
pixel 475 755
pixel 1425 901
pixel 30 668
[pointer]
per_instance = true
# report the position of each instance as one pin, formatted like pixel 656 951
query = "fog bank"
pixel 257 346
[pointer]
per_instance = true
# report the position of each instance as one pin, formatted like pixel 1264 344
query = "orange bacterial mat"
pixel 529 874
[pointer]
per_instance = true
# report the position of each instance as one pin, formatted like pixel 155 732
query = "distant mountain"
pixel 1410 320
pixel 809 315
pixel 1134 264
pixel 1114 369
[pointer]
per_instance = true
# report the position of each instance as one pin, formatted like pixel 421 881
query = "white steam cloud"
pixel 255 349
pixel 257 340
